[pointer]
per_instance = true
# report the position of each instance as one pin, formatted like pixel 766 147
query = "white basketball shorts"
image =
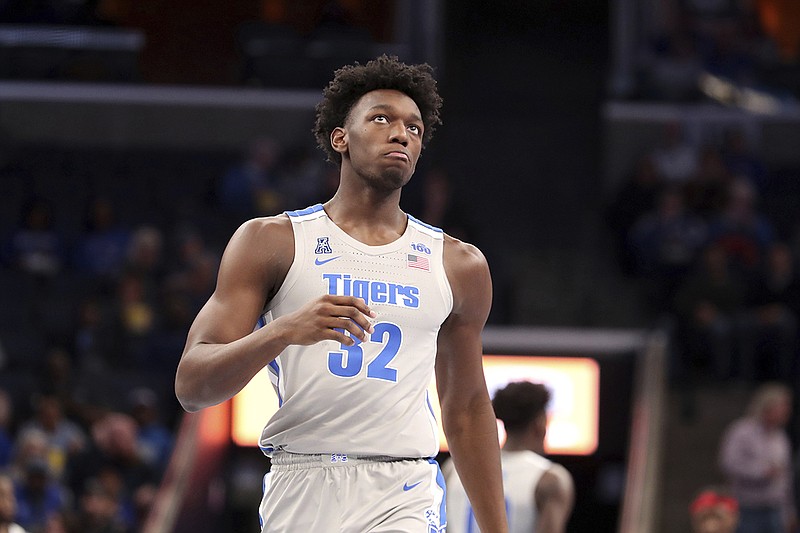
pixel 337 493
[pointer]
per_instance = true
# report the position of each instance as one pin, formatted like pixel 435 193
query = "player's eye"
pixel 413 128
pixel 381 119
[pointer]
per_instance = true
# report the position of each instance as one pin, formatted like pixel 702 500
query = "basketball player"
pixel 539 493
pixel 355 305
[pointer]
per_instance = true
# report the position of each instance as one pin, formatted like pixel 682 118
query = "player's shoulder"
pixel 262 240
pixel 556 480
pixel 468 275
pixel 265 228
pixel 463 255
pixel 262 245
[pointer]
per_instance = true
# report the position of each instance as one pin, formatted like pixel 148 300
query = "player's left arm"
pixel 554 498
pixel 467 415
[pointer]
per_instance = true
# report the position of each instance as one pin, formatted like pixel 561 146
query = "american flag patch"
pixel 416 261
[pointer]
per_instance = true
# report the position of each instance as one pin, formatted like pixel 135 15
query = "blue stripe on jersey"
pixel 273 366
pixel 306 211
pixel 440 482
pixel 423 224
pixel 430 406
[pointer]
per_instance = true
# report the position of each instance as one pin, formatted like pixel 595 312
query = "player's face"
pixel 384 138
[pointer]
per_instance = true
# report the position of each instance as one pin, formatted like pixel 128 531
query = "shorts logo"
pixel 323 246
pixel 338 458
pixel 406 486
pixel 434 521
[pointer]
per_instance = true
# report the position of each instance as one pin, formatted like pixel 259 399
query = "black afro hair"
pixel 351 82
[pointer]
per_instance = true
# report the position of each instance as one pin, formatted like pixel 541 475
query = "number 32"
pixel 349 362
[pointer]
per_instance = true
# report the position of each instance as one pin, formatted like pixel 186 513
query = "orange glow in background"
pixel 573 411
pixel 252 409
pixel 214 425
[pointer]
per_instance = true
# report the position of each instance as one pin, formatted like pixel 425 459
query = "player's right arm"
pixel 223 352
pixel 554 498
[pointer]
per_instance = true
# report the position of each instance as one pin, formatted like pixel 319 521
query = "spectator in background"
pixel 8 507
pixel 35 247
pixel 190 280
pixel 136 320
pixel 196 281
pixel 190 246
pixel 539 493
pixel 39 496
pixel 28 447
pixel 153 437
pixel 64 437
pixel 714 510
pixel 94 339
pixel 707 189
pixel 144 257
pixel 115 460
pixel 665 244
pixel 58 379
pixel 771 325
pixel 102 247
pixel 707 307
pixel 302 177
pixel 676 158
pixel 441 208
pixel 741 230
pixel 252 187
pixel 99 510
pixel 169 338
pixel 756 458
pixel 637 196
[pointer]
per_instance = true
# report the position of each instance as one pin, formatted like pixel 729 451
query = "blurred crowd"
pixel 748 43
pixel 709 233
pixel 690 225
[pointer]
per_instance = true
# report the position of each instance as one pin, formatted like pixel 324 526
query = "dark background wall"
pixel 523 85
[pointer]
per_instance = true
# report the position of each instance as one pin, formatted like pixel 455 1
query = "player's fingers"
pixel 339 335
pixel 353 314
pixel 346 331
pixel 351 301
pixel 354 328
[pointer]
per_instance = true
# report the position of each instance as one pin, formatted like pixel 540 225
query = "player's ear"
pixel 339 140
pixel 541 423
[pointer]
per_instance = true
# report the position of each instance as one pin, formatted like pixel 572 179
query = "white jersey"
pixel 370 398
pixel 522 471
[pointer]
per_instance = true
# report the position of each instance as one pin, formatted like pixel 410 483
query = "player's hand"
pixel 328 318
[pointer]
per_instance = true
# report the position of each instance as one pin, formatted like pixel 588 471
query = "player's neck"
pixel 369 218
pixel 519 443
